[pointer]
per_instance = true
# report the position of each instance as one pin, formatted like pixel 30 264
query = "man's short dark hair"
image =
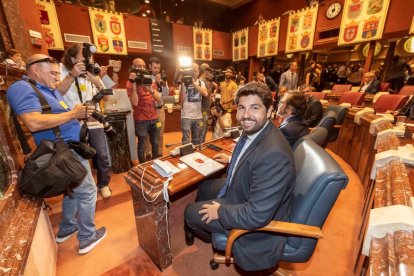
pixel 304 86
pixel 256 88
pixel 231 68
pixel 69 53
pixel 154 60
pixel 297 101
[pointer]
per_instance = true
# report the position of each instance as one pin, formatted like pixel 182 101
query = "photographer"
pixel 207 77
pixel 191 92
pixel 79 86
pixel 144 96
pixel 160 80
pixel 78 212
pixel 221 120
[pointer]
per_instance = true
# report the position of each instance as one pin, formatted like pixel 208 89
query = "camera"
pixel 163 77
pixel 216 75
pixel 143 77
pixel 87 51
pixel 101 94
pixel 184 76
pixel 102 119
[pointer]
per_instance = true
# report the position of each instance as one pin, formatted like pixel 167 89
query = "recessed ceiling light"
pixel 146 1
pixel 144 15
pixel 148 11
pixel 176 4
pixel 165 12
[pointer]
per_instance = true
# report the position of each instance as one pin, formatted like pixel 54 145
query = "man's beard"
pixel 256 128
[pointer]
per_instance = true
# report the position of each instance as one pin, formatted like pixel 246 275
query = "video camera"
pixel 143 77
pixel 184 76
pixel 216 75
pixel 102 119
pixel 87 51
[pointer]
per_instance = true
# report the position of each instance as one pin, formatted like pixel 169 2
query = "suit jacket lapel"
pixel 252 146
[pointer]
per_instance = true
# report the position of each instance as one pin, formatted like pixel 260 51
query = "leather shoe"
pixel 189 237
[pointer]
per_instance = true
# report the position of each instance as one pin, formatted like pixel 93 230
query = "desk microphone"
pixel 175 144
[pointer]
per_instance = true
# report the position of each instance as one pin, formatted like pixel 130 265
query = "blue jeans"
pixel 142 129
pixel 79 212
pixel 203 132
pixel 191 127
pixel 97 140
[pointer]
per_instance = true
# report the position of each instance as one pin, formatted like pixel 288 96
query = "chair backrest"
pixel 317 135
pixel 341 88
pixel 389 102
pixel 354 98
pixel 384 86
pixel 319 180
pixel 341 112
pixel 319 95
pixel 406 90
pixel 328 121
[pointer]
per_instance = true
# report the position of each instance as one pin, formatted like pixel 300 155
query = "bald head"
pixel 44 70
pixel 34 58
pixel 139 63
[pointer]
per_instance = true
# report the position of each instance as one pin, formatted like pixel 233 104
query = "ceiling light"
pixel 148 11
pixel 164 12
pixel 144 15
pixel 176 4
pixel 146 1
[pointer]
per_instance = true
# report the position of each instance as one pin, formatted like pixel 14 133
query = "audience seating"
pixel 341 88
pixel 341 113
pixel 384 86
pixel 389 102
pixel 328 122
pixel 319 95
pixel 406 90
pixel 354 98
pixel 317 135
pixel 319 181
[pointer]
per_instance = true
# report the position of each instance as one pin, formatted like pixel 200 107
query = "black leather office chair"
pixel 319 181
pixel 341 113
pixel 317 135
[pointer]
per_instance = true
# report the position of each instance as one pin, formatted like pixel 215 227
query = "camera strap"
pixel 79 90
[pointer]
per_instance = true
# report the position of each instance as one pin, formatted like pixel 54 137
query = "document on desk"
pixel 201 163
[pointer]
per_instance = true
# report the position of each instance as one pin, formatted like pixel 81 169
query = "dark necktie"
pixel 234 157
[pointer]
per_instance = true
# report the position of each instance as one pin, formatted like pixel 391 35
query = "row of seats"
pixel 319 181
pixel 342 88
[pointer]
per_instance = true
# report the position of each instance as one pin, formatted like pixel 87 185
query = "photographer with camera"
pixel 206 76
pixel 144 96
pixel 221 119
pixel 81 84
pixel 160 80
pixel 191 92
pixel 78 211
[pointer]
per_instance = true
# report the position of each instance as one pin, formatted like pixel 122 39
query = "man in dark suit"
pixel 290 77
pixel 371 84
pixel 314 110
pixel 291 108
pixel 257 189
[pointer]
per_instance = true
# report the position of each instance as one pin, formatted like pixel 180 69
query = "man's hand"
pixel 78 69
pixel 222 158
pixel 104 71
pixel 210 211
pixel 93 79
pixel 82 111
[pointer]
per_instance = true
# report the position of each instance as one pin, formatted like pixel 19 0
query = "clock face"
pixel 333 10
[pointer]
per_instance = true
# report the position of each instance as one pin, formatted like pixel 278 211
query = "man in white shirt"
pixel 78 86
pixel 371 85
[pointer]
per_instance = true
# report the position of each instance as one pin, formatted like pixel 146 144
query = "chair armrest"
pixel 337 126
pixel 275 227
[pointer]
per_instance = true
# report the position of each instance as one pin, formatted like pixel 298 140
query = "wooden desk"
pixel 160 224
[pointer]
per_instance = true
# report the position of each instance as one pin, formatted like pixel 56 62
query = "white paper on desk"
pixel 201 163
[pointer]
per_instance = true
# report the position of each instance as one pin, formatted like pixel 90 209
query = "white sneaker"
pixel 105 192
pixel 99 236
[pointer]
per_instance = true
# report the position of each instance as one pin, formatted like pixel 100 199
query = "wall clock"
pixel 333 10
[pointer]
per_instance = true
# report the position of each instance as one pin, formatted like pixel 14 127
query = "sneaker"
pixel 100 235
pixel 105 192
pixel 60 238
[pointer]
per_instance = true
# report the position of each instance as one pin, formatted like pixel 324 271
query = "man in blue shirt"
pixel 78 212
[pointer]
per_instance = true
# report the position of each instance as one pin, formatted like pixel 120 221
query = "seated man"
pixel 258 187
pixel 291 108
pixel 314 110
pixel 371 84
pixel 406 110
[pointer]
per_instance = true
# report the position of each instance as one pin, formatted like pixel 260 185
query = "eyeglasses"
pixel 48 59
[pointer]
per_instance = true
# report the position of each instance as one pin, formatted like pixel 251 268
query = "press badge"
pixel 63 104
pixel 158 124
pixel 82 87
pixel 204 113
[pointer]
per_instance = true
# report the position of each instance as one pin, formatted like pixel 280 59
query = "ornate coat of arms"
pixel 370 27
pixel 351 31
pixel 293 40
pixel 100 24
pixel 305 41
pixel 103 43
pixel 115 25
pixel 273 30
pixel 198 38
pixel 355 9
pixel 294 24
pixel 307 20
pixel 44 16
pixel 118 44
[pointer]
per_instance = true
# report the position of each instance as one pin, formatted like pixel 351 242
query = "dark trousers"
pixel 97 140
pixel 207 192
pixel 396 84
pixel 142 129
